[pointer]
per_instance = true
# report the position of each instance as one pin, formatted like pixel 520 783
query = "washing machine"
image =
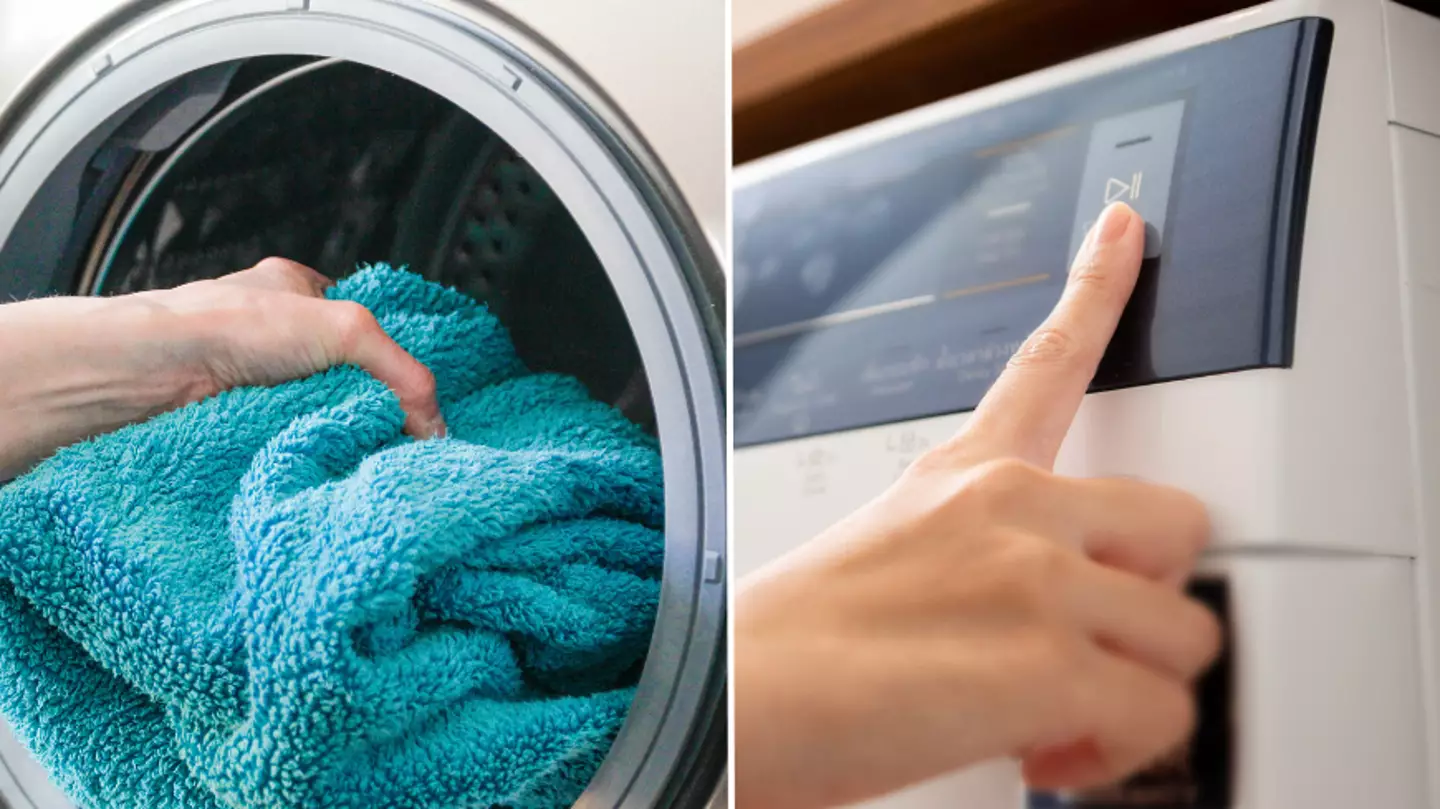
pixel 1280 358
pixel 156 142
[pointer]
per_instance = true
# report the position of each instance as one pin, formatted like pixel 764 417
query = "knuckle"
pixel 1034 570
pixel 294 275
pixel 948 460
pixel 1046 347
pixel 1093 275
pixel 936 462
pixel 419 385
pixel 1004 482
pixel 1036 559
pixel 940 459
pixel 281 267
pixel 979 491
pixel 1046 657
pixel 354 322
pixel 1186 518
pixel 273 263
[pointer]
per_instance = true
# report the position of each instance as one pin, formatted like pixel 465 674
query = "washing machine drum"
pixel 177 142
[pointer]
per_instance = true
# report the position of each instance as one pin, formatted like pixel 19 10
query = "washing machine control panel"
pixel 894 280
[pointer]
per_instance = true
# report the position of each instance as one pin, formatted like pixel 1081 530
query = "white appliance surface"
pixel 1323 478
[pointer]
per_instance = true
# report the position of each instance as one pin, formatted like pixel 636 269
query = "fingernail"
pixel 440 431
pixel 1114 221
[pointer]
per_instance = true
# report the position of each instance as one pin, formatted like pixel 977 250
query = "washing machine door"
pixel 454 140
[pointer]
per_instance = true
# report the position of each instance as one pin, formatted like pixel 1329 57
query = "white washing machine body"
pixel 147 93
pixel 1280 358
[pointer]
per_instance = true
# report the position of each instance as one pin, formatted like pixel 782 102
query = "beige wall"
pixel 664 62
pixel 30 30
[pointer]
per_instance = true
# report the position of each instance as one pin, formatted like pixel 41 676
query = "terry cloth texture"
pixel 273 598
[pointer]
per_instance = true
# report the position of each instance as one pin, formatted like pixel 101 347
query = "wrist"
pixel 78 367
pixel 782 743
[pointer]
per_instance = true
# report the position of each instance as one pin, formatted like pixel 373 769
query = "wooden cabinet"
pixel 855 61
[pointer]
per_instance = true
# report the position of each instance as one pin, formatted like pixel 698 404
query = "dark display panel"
pixel 894 281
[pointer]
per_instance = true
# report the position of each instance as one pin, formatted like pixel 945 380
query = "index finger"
pixel 1029 409
pixel 357 338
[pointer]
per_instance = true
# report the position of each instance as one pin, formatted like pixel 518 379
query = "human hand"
pixel 77 367
pixel 983 607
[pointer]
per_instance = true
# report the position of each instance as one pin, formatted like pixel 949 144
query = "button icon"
pixel 1118 189
pixel 817 273
pixel 1131 158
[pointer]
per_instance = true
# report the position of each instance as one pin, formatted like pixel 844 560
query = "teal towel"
pixel 273 598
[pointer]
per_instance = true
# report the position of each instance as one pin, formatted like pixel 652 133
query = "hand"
pixel 77 367
pixel 983 607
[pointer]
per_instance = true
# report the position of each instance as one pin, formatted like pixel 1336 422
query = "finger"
pixel 1143 621
pixel 358 339
pixel 1028 410
pixel 1135 717
pixel 1064 767
pixel 1153 531
pixel 280 275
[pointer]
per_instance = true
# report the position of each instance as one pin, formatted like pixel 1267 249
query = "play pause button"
pixel 1121 190
pixel 1131 159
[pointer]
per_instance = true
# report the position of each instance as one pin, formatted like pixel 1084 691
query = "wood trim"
pixel 857 61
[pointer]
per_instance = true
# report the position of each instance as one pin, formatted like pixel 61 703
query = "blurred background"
pixel 804 69
pixel 666 75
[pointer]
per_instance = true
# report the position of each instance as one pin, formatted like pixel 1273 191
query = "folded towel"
pixel 273 598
